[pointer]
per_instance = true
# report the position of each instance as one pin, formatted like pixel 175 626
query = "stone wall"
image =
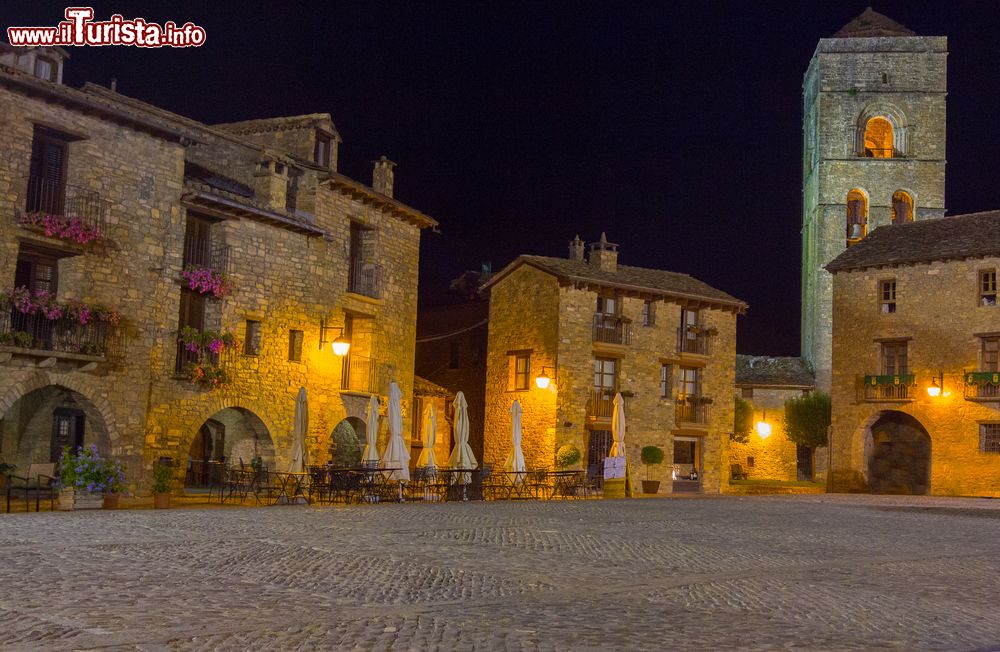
pixel 774 457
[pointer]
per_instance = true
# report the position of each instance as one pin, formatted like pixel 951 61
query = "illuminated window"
pixel 887 292
pixel 894 359
pixel 902 207
pixel 878 138
pixel 989 437
pixel 606 374
pixel 522 369
pixel 988 287
pixel 857 216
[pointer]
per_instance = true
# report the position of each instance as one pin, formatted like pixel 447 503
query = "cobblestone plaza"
pixel 805 572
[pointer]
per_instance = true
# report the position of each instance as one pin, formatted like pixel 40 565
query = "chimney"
pixel 270 183
pixel 576 248
pixel 604 254
pixel 382 176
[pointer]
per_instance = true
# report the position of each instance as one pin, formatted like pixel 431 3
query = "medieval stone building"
pixel 593 328
pixel 171 284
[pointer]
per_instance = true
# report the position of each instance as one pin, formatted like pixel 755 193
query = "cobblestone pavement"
pixel 796 572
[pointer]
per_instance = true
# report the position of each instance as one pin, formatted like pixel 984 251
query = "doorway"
pixel 898 455
pixel 687 470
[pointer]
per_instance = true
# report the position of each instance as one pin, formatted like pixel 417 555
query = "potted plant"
pixel 651 455
pixel 114 473
pixel 567 455
pixel 82 478
pixel 162 475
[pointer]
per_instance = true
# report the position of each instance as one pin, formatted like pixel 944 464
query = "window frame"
pixel 601 370
pixel 887 296
pixel 518 376
pixel 322 148
pixel 894 346
pixel 666 380
pixel 252 341
pixel 989 430
pixel 648 313
pixel 989 357
pixel 295 341
pixel 987 287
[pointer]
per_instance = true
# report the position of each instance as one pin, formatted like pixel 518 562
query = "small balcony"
pixel 601 403
pixel 612 329
pixel 981 385
pixel 872 388
pixel 200 252
pixel 60 210
pixel 693 340
pixel 365 279
pixel 692 410
pixel 365 375
pixel 38 335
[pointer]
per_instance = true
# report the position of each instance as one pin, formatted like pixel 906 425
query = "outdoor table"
pixel 564 482
pixel 515 484
pixel 387 478
pixel 290 487
pixel 454 478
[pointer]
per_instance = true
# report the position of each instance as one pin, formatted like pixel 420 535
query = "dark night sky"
pixel 673 126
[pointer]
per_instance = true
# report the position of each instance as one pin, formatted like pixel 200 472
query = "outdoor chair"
pixel 38 481
pixel 736 472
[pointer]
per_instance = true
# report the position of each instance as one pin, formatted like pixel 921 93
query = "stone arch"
pixel 904 206
pixel 857 201
pixel 347 441
pixel 897 454
pixel 216 404
pixel 896 119
pixel 230 436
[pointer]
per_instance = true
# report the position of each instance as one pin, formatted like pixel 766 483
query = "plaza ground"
pixel 818 572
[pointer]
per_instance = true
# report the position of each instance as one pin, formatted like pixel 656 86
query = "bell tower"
pixel 874 152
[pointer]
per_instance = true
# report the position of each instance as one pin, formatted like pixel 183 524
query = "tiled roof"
pixel 872 24
pixel 962 236
pixel 263 125
pixel 424 387
pixel 639 279
pixel 766 371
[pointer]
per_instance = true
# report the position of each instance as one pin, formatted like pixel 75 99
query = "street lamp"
pixel 763 427
pixel 543 380
pixel 937 384
pixel 340 346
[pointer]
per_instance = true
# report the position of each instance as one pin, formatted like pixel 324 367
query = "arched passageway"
pixel 898 455
pixel 39 424
pixel 347 441
pixel 230 437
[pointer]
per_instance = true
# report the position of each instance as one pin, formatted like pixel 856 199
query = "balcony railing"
pixel 600 402
pixel 200 252
pixel 612 329
pixel 692 341
pixel 63 335
pixel 886 387
pixel 982 385
pixel 360 374
pixel 71 209
pixel 691 409
pixel 365 279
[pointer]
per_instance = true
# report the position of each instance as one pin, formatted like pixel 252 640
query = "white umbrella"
pixel 370 454
pixel 515 461
pixel 461 455
pixel 396 455
pixel 618 428
pixel 430 438
pixel 299 457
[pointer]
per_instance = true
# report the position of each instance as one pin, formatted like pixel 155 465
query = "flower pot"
pixel 66 500
pixel 111 501
pixel 87 500
pixel 161 501
pixel 650 486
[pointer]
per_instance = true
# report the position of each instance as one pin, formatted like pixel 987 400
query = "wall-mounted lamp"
pixel 543 379
pixel 937 384
pixel 763 427
pixel 341 345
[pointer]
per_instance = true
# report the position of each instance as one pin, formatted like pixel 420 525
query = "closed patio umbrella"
pixel 430 438
pixel 461 456
pixel 370 454
pixel 396 454
pixel 618 427
pixel 299 456
pixel 515 461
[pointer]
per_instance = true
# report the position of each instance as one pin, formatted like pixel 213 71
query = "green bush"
pixel 652 455
pixel 346 446
pixel 162 475
pixel 567 455
pixel 743 421
pixel 807 419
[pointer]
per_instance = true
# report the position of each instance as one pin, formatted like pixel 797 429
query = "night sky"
pixel 673 126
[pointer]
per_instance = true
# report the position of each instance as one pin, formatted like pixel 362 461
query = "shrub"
pixel 86 470
pixel 743 421
pixel 346 446
pixel 162 475
pixel 652 455
pixel 567 455
pixel 807 419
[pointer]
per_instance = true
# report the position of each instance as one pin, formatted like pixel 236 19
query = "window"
pixel 666 380
pixel 879 138
pixel 990 357
pixel 747 392
pixel 192 315
pixel 198 241
pixel 522 371
pixel 887 296
pixel 902 207
pixel 363 275
pixel 607 305
pixel 689 382
pixel 295 346
pixel 857 216
pixel 321 153
pixel 894 361
pixel 989 437
pixel 648 313
pixel 47 175
pixel 988 287
pixel 45 68
pixel 606 374
pixel 751 461
pixel 251 345
pixel 37 272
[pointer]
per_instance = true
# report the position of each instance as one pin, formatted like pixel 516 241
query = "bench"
pixel 39 479
pixel 736 472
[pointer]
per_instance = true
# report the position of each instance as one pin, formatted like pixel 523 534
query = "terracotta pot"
pixel 650 486
pixel 111 501
pixel 161 501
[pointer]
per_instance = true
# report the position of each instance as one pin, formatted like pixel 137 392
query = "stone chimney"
pixel 270 183
pixel 382 176
pixel 604 254
pixel 576 248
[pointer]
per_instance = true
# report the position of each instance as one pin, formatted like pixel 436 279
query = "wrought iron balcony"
pixel 365 279
pixel 37 333
pixel 886 387
pixel 200 252
pixel 612 329
pixel 600 402
pixel 982 385
pixel 62 210
pixel 691 409
pixel 360 374
pixel 691 339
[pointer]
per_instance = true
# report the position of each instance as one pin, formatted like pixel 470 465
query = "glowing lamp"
pixel 341 346
pixel 935 387
pixel 763 429
pixel 543 380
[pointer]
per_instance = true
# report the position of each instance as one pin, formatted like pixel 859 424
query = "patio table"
pixel 290 487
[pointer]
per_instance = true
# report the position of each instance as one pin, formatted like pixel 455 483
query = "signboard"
pixel 614 467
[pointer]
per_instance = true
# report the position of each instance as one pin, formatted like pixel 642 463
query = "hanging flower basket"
pixel 205 280
pixel 64 227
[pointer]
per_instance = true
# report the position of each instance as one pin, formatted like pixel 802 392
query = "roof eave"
pixel 229 209
pixel 356 190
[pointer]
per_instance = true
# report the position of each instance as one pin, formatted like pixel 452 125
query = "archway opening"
pixel 347 441
pixel 232 437
pixel 41 423
pixel 879 138
pixel 857 216
pixel 902 207
pixel 899 455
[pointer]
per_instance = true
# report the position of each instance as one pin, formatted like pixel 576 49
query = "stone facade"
pixel 940 319
pixel 299 278
pixel 851 79
pixel 544 309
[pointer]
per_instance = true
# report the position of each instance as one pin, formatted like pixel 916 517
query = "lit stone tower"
pixel 874 135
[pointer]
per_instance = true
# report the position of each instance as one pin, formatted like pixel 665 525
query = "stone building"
pixel 665 340
pixel 874 152
pixel 181 281
pixel 916 331
pixel 767 383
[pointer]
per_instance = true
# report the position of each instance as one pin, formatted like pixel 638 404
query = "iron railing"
pixel 200 252
pixel 691 409
pixel 983 385
pixel 63 335
pixel 885 391
pixel 44 197
pixel 360 374
pixel 365 279
pixel 612 329
pixel 203 357
pixel 689 341
pixel 600 402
